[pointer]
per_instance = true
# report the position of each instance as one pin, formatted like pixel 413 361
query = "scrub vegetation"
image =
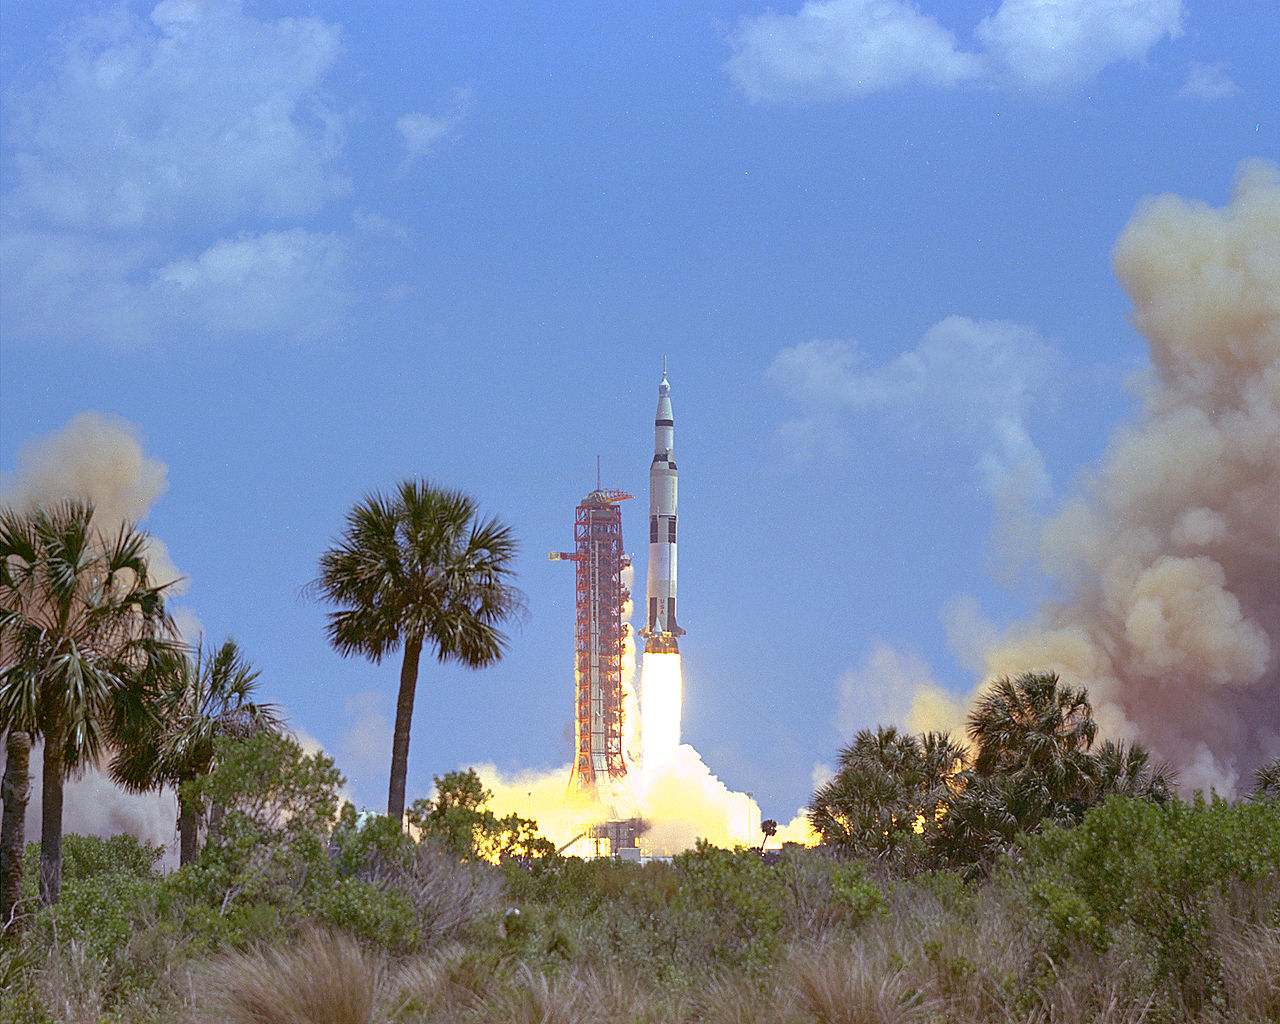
pixel 297 910
pixel 1023 875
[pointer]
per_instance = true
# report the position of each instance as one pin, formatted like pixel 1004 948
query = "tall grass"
pixel 327 979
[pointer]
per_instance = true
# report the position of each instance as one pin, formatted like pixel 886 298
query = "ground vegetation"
pixel 302 909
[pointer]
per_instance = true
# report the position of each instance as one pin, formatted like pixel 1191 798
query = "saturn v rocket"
pixel 661 631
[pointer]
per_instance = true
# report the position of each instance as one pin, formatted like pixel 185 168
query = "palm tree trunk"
pixel 188 830
pixel 400 739
pixel 51 816
pixel 16 789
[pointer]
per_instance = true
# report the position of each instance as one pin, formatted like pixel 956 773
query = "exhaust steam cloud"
pixel 1171 553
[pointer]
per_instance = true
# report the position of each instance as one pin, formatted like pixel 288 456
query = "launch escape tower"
pixel 599 768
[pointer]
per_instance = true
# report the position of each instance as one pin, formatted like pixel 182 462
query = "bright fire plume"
pixel 660 697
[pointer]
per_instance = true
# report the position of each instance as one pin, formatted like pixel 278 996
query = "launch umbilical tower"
pixel 600 634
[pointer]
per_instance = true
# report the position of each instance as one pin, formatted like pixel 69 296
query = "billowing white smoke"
pixel 682 803
pixel 675 793
pixel 99 458
pixel 1171 552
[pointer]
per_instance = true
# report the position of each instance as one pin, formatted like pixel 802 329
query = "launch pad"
pixel 601 632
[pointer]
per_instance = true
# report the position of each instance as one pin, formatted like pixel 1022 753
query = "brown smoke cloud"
pixel 1171 551
pixel 98 458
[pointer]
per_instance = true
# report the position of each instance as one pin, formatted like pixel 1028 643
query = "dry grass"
pixel 1251 972
pixel 328 979
pixel 72 984
pixel 852 987
pixel 446 894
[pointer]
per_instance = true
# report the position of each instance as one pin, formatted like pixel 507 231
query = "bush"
pixel 728 907
pixel 376 915
pixel 1162 873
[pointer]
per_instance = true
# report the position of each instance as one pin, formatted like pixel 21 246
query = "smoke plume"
pixel 98 458
pixel 1171 551
pixel 684 802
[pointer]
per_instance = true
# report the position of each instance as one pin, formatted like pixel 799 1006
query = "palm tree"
pixel 1033 735
pixel 204 696
pixel 16 789
pixel 412 569
pixel 887 787
pixel 83 633
pixel 1126 769
pixel 1266 781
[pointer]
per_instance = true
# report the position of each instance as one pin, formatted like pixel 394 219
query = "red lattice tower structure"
pixel 600 635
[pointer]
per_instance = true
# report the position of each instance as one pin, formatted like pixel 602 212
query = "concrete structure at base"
pixel 660 631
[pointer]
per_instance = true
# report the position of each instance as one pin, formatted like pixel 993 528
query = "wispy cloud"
pixel 1057 44
pixel 420 133
pixel 167 172
pixel 200 114
pixel 1208 82
pixel 847 48
pixel 968 383
pixel 287 283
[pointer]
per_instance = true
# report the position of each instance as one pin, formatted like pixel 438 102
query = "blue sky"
pixel 309 249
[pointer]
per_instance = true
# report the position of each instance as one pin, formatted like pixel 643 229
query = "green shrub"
pixel 1162 873
pixel 728 907
pixel 376 915
pixel 85 856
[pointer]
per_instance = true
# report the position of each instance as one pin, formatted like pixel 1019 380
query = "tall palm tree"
pixel 1033 734
pixel 418 568
pixel 83 633
pixel 205 695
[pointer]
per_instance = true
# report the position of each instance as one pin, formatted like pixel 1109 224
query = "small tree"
pixel 459 819
pixel 280 805
pixel 203 697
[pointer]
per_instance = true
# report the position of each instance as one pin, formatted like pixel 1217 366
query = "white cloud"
pixel 968 383
pixel 203 115
pixel 163 176
pixel 1063 43
pixel 287 283
pixel 845 48
pixel 1208 82
pixel 421 132
pixel 842 48
pixel 71 288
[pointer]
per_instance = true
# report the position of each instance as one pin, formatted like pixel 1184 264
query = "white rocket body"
pixel 661 630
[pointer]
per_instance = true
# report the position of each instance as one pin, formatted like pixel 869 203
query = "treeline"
pixel 91 663
pixel 298 909
pixel 927 801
